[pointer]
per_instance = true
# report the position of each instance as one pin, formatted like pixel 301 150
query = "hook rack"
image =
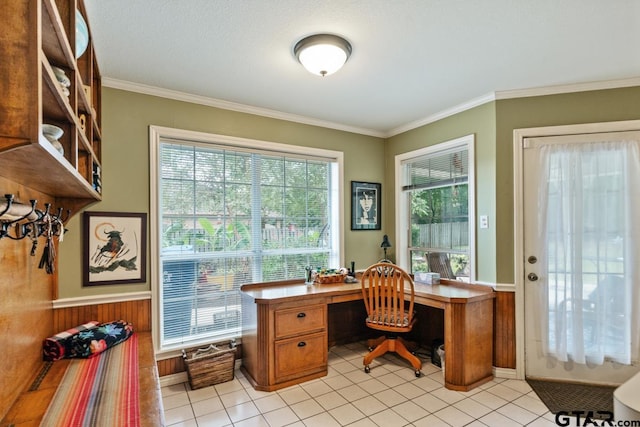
pixel 30 222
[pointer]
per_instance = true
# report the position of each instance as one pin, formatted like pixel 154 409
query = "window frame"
pixel 158 134
pixel 402 211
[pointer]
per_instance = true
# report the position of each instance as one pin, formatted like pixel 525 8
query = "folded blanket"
pixel 53 348
pixel 86 341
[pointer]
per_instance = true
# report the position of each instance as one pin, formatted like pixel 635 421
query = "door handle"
pixel 532 277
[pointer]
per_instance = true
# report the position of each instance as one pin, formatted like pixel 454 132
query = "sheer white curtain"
pixel 589 222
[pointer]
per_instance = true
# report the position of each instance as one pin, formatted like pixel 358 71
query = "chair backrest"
pixel 384 287
pixel 439 263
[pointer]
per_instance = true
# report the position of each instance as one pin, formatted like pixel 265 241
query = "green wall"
pixel 479 121
pixel 493 125
pixel 126 117
pixel 551 110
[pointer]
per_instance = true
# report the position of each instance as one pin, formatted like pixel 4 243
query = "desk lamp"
pixel 384 245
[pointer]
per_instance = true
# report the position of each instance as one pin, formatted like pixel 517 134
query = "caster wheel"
pixel 418 373
pixel 367 369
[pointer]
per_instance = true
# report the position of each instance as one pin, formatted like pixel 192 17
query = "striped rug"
pixel 101 391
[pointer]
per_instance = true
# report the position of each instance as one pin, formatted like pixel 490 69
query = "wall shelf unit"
pixel 39 42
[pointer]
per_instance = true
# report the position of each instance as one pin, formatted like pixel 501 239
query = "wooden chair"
pixel 439 263
pixel 384 286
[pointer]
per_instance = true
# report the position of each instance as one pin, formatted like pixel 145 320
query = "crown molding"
pixel 475 102
pixel 442 114
pixel 233 106
pixel 568 88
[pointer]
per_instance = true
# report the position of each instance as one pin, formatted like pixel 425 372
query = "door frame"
pixel 518 205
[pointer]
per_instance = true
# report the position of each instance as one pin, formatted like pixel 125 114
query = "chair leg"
pixel 373 343
pixel 410 345
pixel 379 350
pixel 400 348
pixel 396 345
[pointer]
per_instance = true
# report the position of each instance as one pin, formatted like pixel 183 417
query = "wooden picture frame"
pixel 114 248
pixel 366 202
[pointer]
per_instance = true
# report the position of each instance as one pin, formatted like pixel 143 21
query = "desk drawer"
pixel 300 320
pixel 300 355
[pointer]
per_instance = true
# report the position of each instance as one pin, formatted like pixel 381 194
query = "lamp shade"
pixel 322 54
pixel 385 242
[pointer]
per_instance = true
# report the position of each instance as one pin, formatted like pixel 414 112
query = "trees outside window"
pixel 436 209
pixel 230 215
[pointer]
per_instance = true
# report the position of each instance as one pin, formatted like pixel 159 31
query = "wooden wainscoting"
pixel 26 292
pixel 504 330
pixel 137 312
pixel 171 366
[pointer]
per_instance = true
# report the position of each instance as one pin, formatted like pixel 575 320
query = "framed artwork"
pixel 114 249
pixel 365 205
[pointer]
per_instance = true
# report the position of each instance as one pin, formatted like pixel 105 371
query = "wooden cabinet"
pixel 38 37
pixel 284 343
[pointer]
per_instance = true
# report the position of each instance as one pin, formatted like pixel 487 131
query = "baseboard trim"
pixel 173 379
pixel 506 373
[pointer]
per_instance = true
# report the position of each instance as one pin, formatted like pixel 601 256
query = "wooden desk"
pixel 284 330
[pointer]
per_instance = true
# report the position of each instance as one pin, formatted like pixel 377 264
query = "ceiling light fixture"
pixel 322 54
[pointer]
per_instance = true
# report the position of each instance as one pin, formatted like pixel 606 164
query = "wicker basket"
pixel 324 279
pixel 209 366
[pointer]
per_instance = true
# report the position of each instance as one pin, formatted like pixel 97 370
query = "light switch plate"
pixel 484 221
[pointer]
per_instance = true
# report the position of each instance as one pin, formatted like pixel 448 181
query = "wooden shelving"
pixel 39 35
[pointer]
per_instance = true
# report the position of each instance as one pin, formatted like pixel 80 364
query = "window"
pixel 230 212
pixel 435 209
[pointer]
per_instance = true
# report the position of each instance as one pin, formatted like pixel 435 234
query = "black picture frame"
pixel 366 205
pixel 114 248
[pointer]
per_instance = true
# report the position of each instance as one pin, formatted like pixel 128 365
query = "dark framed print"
pixel 114 249
pixel 365 205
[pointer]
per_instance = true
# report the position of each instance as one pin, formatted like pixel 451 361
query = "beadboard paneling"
pixel 137 312
pixel 504 330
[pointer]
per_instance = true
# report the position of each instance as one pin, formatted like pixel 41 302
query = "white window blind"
pixel 437 189
pixel 230 216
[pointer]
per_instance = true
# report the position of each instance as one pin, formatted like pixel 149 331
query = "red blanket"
pixel 100 391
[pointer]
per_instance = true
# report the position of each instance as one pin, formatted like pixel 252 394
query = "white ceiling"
pixel 411 60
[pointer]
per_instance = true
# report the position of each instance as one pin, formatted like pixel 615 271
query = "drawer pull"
pixel 302 344
pixel 301 315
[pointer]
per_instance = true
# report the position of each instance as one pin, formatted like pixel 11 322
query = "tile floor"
pixel 389 396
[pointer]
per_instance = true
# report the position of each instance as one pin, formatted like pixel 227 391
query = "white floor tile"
pixel 454 416
pixel 242 411
pixel 175 400
pixel 321 420
pixel 281 417
pixel 214 419
pixel 294 395
pixel 234 398
pixel 517 413
pixel 390 395
pixel 270 403
pixel 180 414
pixel 389 417
pixel 472 407
pixel 331 400
pixel 369 405
pixel 207 406
pixel 346 414
pixel 410 411
pixel 258 421
pixel 307 408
